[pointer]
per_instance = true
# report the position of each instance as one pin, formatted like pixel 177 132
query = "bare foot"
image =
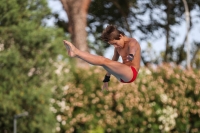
pixel 70 48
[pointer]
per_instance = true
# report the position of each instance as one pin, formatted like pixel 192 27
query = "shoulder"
pixel 133 42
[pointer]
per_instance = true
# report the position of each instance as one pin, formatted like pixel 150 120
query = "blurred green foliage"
pixel 162 99
pixel 27 50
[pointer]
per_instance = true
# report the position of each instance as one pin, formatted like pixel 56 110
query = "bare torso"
pixel 123 52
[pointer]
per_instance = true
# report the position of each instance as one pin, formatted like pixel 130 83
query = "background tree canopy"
pixel 152 19
pixel 27 50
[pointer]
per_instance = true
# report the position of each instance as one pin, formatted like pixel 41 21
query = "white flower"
pixel 59 118
pixel 164 98
pixel 1 47
pixel 167 118
pixel 66 87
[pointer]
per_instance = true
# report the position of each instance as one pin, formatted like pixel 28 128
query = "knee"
pixel 105 61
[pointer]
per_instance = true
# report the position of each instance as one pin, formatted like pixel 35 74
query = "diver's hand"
pixel 105 86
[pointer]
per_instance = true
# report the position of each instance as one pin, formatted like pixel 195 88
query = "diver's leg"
pixel 119 70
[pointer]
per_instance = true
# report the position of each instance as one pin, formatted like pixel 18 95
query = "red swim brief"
pixel 135 73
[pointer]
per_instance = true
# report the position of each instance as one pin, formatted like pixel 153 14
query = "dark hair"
pixel 111 33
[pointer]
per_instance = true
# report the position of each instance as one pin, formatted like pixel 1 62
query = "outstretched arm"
pixel 114 58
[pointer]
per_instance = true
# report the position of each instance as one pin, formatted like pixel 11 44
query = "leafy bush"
pixel 164 99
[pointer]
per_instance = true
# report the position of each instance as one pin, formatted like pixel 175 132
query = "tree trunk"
pixel 187 18
pixel 77 11
pixel 167 28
